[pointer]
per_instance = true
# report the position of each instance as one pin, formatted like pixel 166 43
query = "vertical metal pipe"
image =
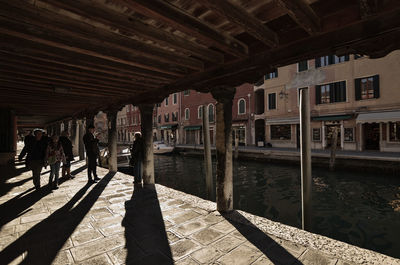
pixel 305 151
pixel 207 152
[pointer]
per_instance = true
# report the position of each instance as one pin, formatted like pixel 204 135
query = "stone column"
pixel 224 96
pixel 81 145
pixel 207 153
pixel 8 134
pixel 112 140
pixel 342 135
pixel 75 137
pixel 305 151
pixel 146 116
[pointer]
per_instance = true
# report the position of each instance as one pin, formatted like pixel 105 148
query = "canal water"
pixel 357 208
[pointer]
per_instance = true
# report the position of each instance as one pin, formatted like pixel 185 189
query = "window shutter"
pixel 317 62
pixel 332 88
pixel 376 86
pixel 317 94
pixel 343 87
pixel 357 83
pixel 346 58
pixel 331 59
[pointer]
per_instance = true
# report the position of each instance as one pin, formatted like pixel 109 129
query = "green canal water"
pixel 356 208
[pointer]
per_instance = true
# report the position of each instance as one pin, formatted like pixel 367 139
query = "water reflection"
pixel 353 207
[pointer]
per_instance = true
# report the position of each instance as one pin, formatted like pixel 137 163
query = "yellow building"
pixel 358 95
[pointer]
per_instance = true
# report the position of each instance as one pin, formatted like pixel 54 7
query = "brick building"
pixel 167 119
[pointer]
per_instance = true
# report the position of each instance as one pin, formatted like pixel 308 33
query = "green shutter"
pixel 376 86
pixel 357 83
pixel 317 62
pixel 317 94
pixel 346 58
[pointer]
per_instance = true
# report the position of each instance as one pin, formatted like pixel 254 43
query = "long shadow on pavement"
pixel 43 241
pixel 271 249
pixel 146 238
pixel 21 203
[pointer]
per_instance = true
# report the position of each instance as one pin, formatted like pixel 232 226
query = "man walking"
pixel 92 152
pixel 36 150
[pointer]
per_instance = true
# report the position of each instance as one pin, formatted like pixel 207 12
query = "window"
pixel 186 92
pixel 166 117
pixel 187 114
pixel 211 113
pixel 302 66
pixel 166 101
pixel 175 99
pixel 281 132
pixel 348 135
pixel 175 116
pixel 159 118
pixel 367 87
pixel 330 59
pixel 158 105
pixel 200 112
pixel 271 75
pixel 316 134
pixel 272 101
pixel 394 131
pixel 331 93
pixel 242 106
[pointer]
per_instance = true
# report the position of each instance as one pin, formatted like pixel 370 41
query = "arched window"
pixel 242 106
pixel 211 113
pixel 200 112
pixel 187 114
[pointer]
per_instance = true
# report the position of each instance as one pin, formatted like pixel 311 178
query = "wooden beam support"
pixel 242 18
pixel 302 14
pixel 126 23
pixel 167 13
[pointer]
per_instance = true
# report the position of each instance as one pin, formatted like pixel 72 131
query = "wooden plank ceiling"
pixel 62 58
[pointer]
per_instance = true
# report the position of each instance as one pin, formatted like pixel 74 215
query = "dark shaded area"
pixel 146 238
pixel 275 252
pixel 43 241
pixel 8 172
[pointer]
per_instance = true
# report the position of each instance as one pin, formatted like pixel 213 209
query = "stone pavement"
pixel 112 222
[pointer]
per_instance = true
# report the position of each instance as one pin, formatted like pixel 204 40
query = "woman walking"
pixel 69 156
pixel 54 156
pixel 137 157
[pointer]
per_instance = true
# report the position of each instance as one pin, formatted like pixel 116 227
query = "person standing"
pixel 69 156
pixel 35 159
pixel 54 156
pixel 92 152
pixel 137 154
pixel 28 139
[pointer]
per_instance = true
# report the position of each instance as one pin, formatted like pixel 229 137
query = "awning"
pixel 332 118
pixel 291 120
pixel 192 128
pixel 168 126
pixel 387 116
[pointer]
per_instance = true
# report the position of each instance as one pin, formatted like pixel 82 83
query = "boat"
pixel 160 148
pixel 123 158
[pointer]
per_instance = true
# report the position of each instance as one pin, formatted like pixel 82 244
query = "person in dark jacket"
pixel 69 156
pixel 28 139
pixel 36 150
pixel 92 152
pixel 137 155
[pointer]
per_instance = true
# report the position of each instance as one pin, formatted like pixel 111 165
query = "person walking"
pixel 69 156
pixel 28 139
pixel 92 152
pixel 36 152
pixel 137 155
pixel 54 156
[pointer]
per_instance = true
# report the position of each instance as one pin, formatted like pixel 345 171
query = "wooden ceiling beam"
pixel 242 18
pixel 302 14
pixel 163 11
pixel 55 39
pixel 32 15
pixel 106 16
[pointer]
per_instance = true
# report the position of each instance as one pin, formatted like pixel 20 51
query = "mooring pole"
pixel 305 151
pixel 207 153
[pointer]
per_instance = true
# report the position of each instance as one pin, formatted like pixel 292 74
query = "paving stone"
pixel 81 237
pixel 63 257
pixel 213 219
pixel 224 227
pixel 263 261
pixel 207 236
pixel 182 248
pixel 341 262
pixel 314 258
pixel 206 254
pixel 100 213
pixel 227 243
pixel 112 230
pixel 32 218
pixel 186 261
pixel 186 216
pixel 190 228
pixel 6 240
pixel 5 231
pixel 172 212
pixel 241 255
pixel 172 237
pixel 99 260
pixel 175 202
pixel 97 247
pixel 111 221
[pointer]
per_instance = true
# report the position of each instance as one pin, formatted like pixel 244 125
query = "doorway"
pixel 329 135
pixel 259 126
pixel 371 136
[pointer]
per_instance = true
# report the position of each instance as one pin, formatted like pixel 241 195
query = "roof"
pixel 64 58
pixel 386 116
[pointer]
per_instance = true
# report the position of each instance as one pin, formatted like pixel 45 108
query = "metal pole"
pixel 305 150
pixel 207 153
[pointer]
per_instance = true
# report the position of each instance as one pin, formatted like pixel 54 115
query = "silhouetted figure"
pixel 36 150
pixel 92 152
pixel 137 154
pixel 28 139
pixel 54 156
pixel 69 156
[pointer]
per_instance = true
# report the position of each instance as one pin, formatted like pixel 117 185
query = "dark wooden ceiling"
pixel 63 58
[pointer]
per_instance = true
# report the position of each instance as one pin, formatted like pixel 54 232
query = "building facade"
pixel 167 119
pixel 357 96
